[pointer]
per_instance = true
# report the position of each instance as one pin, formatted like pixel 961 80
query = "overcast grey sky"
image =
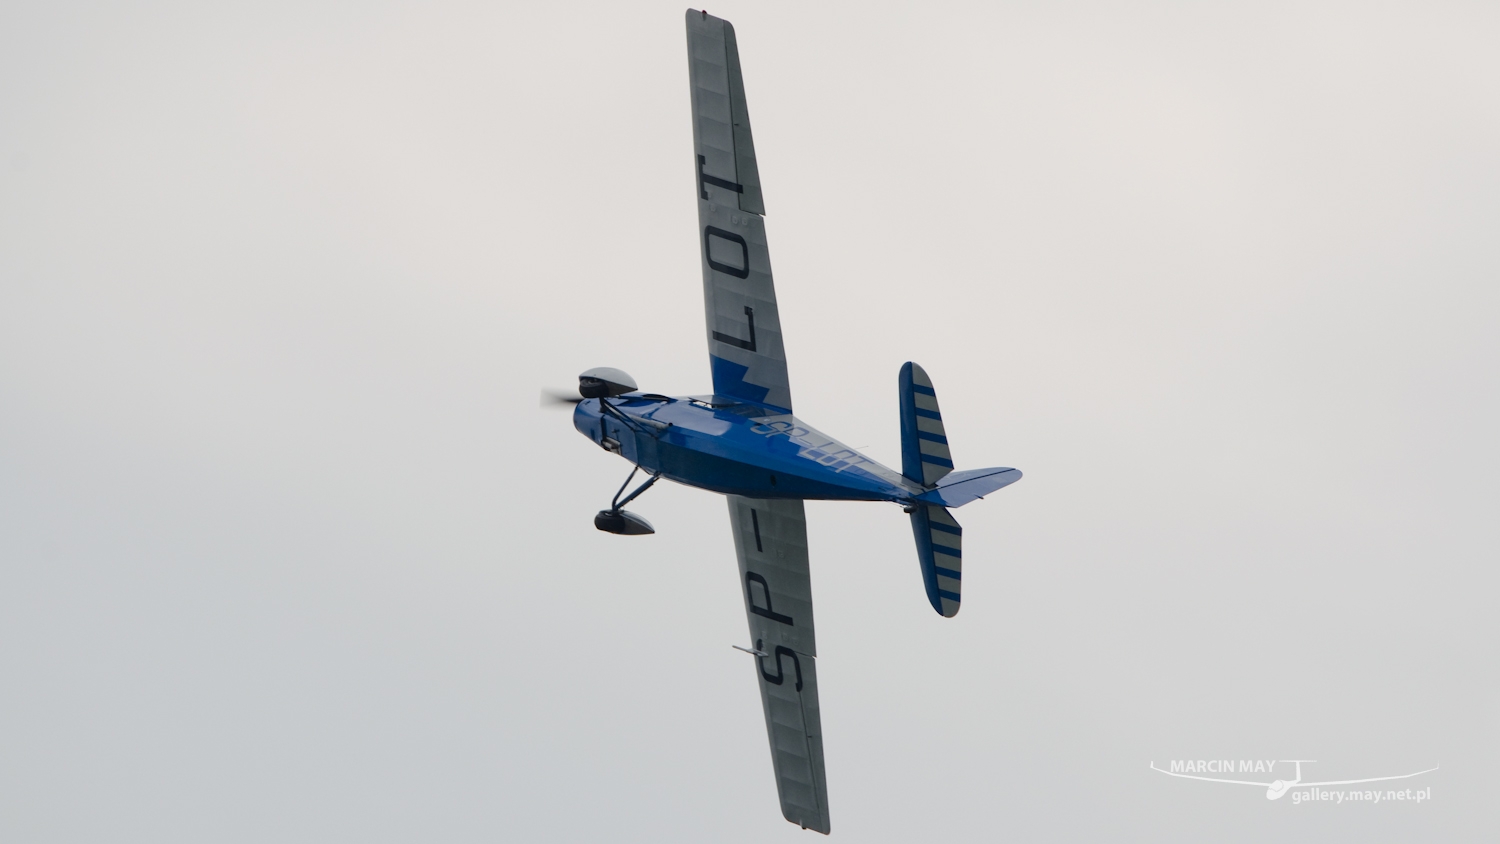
pixel 288 552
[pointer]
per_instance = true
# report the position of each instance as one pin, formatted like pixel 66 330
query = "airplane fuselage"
pixel 737 448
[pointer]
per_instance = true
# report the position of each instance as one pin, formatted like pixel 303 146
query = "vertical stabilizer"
pixel 940 551
pixel 924 443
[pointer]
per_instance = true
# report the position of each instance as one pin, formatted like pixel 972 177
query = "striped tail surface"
pixel 924 442
pixel 940 550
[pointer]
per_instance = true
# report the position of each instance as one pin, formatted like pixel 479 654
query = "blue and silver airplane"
pixel 743 440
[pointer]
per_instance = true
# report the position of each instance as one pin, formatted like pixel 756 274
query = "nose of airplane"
pixel 586 419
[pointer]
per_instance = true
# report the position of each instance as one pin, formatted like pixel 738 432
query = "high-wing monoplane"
pixel 743 441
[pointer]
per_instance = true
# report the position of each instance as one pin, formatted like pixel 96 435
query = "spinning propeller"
pixel 555 398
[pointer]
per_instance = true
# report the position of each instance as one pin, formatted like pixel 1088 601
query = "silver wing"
pixel 744 328
pixel 749 362
pixel 770 538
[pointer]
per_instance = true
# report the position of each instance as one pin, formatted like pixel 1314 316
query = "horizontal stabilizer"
pixel 959 488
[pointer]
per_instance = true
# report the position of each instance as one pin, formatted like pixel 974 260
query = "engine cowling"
pixel 604 382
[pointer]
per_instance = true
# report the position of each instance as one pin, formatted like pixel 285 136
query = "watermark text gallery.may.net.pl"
pixel 1237 771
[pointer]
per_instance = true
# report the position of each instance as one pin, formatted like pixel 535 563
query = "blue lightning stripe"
pixel 946 572
pixel 928 414
pixel 937 461
pixel 729 380
pixel 946 529
pixel 952 596
pixel 932 438
pixel 926 391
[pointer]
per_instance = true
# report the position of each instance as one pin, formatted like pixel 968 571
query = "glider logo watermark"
pixel 1194 769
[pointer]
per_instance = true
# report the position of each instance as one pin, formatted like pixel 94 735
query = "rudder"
pixel 940 551
pixel 924 442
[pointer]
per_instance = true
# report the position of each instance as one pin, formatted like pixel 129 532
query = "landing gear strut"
pixel 624 522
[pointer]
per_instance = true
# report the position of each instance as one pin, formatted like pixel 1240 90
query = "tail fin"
pixel 926 460
pixel 939 548
pixel 924 442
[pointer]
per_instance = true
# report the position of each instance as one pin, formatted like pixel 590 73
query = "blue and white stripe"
pixel 940 550
pixel 925 456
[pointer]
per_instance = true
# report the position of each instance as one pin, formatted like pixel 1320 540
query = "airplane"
pixel 1276 788
pixel 743 441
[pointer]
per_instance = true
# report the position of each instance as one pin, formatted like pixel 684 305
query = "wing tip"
pixel 816 824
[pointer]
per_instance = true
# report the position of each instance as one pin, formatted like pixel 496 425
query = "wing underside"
pixel 748 362
pixel 744 328
pixel 770 539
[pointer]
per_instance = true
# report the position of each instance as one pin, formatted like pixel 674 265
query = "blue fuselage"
pixel 737 447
